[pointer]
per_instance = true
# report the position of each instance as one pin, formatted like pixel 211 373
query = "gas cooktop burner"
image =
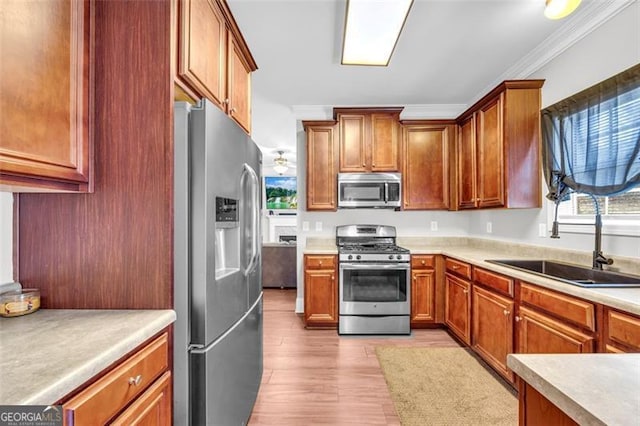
pixel 355 248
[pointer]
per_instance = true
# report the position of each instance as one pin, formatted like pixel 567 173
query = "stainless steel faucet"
pixel 598 258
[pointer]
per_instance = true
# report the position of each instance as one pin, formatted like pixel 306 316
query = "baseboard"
pixel 299 305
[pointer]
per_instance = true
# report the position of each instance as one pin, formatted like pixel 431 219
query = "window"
pixel 620 213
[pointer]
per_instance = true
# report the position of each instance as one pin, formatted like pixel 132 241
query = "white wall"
pixel 610 49
pixel 6 237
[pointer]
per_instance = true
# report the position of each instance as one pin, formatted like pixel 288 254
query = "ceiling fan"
pixel 282 164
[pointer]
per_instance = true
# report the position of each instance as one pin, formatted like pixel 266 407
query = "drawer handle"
pixel 135 381
pixel 455 267
pixel 506 313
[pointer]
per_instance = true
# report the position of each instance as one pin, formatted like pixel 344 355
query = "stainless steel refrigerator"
pixel 217 268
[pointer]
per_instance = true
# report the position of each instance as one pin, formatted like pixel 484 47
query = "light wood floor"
pixel 318 377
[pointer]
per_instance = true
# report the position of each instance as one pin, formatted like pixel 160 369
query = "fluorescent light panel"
pixel 371 30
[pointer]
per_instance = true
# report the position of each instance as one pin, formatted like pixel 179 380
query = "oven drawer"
pixel 319 261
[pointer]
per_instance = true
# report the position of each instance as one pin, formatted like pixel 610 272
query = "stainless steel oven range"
pixel 374 281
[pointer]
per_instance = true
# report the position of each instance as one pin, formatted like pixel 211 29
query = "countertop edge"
pixel 83 373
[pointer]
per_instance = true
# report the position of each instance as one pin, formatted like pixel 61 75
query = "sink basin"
pixel 573 274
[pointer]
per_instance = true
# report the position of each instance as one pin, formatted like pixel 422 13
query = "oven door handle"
pixel 375 266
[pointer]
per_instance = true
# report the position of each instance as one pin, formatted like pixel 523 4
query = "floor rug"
pixel 445 386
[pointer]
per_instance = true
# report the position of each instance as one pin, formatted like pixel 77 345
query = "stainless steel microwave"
pixel 369 190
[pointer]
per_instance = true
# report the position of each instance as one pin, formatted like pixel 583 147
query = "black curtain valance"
pixel 591 140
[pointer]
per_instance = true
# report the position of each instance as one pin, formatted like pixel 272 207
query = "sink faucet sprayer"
pixel 598 258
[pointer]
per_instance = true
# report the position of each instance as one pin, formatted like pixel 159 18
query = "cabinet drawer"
pixel 494 281
pixel 459 268
pixel 319 262
pixel 623 328
pixel 102 400
pixel 561 305
pixel 423 261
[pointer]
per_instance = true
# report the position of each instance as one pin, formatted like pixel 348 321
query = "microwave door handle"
pixel 386 192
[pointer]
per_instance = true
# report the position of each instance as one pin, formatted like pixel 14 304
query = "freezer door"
pixel 225 376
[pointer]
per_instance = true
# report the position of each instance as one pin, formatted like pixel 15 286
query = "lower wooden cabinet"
pixel 540 333
pixel 458 307
pixel 139 388
pixel 536 410
pixel 320 291
pixel 423 290
pixel 621 332
pixel 492 335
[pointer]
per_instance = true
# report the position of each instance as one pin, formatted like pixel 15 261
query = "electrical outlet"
pixel 318 226
pixel 489 227
pixel 542 230
pixel 305 225
pixel 434 225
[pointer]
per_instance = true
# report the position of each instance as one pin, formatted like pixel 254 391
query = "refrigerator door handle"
pixel 255 217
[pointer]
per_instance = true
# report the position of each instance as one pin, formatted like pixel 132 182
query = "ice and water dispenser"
pixel 227 237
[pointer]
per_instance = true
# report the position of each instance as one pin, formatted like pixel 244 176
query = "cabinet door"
pixel 493 328
pixel 352 143
pixel 321 167
pixel 422 297
pixel 202 43
pixel 490 155
pixel 425 167
pixel 384 142
pixel 458 307
pixel 320 298
pixel 46 85
pixel 239 89
pixel 466 169
pixel 539 333
pixel 152 408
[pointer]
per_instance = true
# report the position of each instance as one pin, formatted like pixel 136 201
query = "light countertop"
pixel 51 352
pixel 476 252
pixel 592 389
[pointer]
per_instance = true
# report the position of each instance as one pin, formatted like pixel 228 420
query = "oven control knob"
pixel 350 257
pixel 398 257
pixel 390 257
pixel 358 257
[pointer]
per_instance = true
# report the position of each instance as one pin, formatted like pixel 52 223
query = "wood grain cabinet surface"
pixel 552 322
pixel 320 291
pixel 322 165
pixel 458 306
pixel 426 156
pixel 140 387
pixel 369 139
pixel 212 59
pixel 47 93
pixel 621 331
pixel 423 290
pixel 499 148
pixel 492 323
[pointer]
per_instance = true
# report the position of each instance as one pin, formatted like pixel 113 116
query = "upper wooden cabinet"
pixel 322 165
pixel 46 81
pixel 426 157
pixel 499 148
pixel 369 139
pixel 212 59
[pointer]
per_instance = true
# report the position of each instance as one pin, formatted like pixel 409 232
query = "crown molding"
pixel 580 24
pixel 411 111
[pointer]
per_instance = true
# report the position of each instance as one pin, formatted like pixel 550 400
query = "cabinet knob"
pixel 233 109
pixel 455 267
pixel 135 381
pixel 333 278
pixel 423 263
pixel 517 318
pixel 320 262
pixel 226 101
pixel 364 165
pixel 506 313
pixel 465 291
pixel 373 165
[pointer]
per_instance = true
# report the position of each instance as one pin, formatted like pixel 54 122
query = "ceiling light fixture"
pixel 372 29
pixel 558 9
pixel 281 164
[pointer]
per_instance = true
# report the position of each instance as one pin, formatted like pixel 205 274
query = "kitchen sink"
pixel 573 274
